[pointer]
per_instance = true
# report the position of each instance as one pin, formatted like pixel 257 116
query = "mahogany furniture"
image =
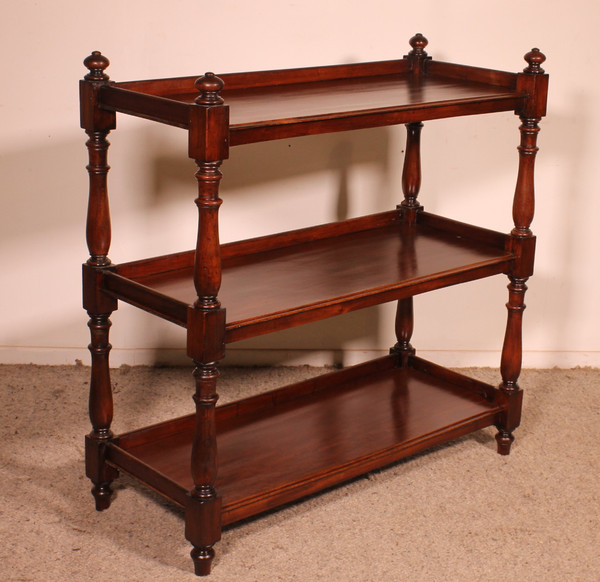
pixel 224 464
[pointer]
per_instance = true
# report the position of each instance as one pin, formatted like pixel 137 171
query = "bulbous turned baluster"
pixel 97 127
pixel 409 207
pixel 404 326
pixel 97 123
pixel 524 199
pixel 206 329
pixel 203 511
pixel 100 412
pixel 207 271
pixel 207 266
pixel 411 172
pixel 98 228
pixel 533 82
pixel 510 365
pixel 206 320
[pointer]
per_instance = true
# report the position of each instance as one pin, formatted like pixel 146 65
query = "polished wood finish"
pixel 282 104
pixel 409 208
pixel 290 442
pixel 226 463
pixel 293 110
pixel 97 125
pixel 314 273
pixel 523 243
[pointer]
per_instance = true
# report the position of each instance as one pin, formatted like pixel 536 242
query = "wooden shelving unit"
pixel 227 463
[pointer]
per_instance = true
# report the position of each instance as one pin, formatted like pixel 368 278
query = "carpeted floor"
pixel 457 513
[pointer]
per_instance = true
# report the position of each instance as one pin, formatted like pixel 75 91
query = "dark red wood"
pixel 411 185
pixel 459 73
pixel 289 104
pixel 97 125
pixel 206 334
pixel 98 218
pixel 140 104
pixel 209 122
pixel 100 412
pixel 268 290
pixel 203 507
pixel 523 243
pixel 208 145
pixel 178 86
pixel 99 306
pixel 417 58
pixel 93 116
pixel 224 464
pixel 411 172
pixel 207 266
pixel 285 444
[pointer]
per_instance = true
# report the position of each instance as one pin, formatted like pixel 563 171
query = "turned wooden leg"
pixel 504 440
pixel 510 366
pixel 523 245
pixel 206 319
pixel 202 558
pixel 404 330
pixel 203 510
pixel 205 344
pixel 99 307
pixel 101 413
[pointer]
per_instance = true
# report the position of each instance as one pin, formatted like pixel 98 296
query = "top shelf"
pixel 289 103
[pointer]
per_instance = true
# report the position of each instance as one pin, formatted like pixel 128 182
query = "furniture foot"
pixel 203 508
pixel 504 440
pixel 102 493
pixel 101 412
pixel 99 472
pixel 203 527
pixel 203 558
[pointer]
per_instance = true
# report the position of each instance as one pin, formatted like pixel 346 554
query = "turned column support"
pixel 411 172
pixel 404 326
pixel 98 227
pixel 205 345
pixel 100 412
pixel 203 510
pixel 208 145
pixel 409 207
pixel 534 82
pixel 207 264
pixel 97 125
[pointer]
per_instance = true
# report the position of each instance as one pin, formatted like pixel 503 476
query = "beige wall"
pixel 469 168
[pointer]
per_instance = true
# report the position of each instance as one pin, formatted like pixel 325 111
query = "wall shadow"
pixel 269 162
pixel 272 165
pixel 44 198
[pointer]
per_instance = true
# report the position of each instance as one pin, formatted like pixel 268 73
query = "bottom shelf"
pixel 288 443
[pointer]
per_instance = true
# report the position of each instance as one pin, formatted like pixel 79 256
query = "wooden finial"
pixel 534 59
pixel 209 86
pixel 96 63
pixel 418 44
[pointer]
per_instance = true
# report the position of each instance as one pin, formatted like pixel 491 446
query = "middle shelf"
pixel 282 280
